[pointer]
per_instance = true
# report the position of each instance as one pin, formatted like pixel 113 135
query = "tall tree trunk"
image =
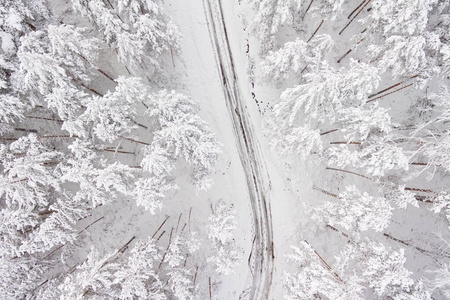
pixel 362 8
pixel 317 29
pixel 397 90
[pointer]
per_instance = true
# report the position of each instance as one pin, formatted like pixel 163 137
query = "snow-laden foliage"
pixel 377 158
pixel 270 16
pixel 113 114
pixel 138 277
pixel 358 122
pixel 401 197
pixel 300 141
pixel 221 227
pixel 180 133
pixel 140 31
pixel 325 91
pixel 315 279
pixel 54 68
pixel 442 204
pixel 99 182
pixel 380 273
pixel 294 57
pixel 441 279
pixel 356 211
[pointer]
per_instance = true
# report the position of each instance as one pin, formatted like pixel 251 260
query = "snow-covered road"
pixel 261 259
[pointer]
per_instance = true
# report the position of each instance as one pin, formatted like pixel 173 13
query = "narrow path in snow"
pixel 262 254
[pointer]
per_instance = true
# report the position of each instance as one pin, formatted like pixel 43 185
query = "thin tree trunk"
pixel 307 9
pixel 138 124
pixel 195 275
pixel 350 15
pixel 9 139
pixel 125 247
pixel 397 90
pixel 424 251
pixel 58 136
pixel 386 89
pixel 43 118
pixel 325 263
pixel 345 143
pixel 178 223
pixel 350 172
pixel 160 226
pixel 133 140
pixel 325 192
pixel 350 50
pixel 98 220
pixel 362 8
pixel 189 219
pixel 91 89
pixel 210 292
pixel 165 252
pixel 17 181
pixel 162 233
pixel 119 151
pixel 106 75
pixel 26 130
pixel 337 230
pixel 419 190
pixel 343 56
pixel 317 29
pixel 329 131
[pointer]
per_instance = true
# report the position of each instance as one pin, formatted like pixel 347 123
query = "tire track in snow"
pixel 262 253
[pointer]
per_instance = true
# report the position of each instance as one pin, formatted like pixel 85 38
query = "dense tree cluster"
pixel 335 108
pixel 61 140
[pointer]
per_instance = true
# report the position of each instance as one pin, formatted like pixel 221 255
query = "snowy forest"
pixel 225 149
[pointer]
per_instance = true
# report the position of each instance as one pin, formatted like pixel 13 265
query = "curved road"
pixel 258 182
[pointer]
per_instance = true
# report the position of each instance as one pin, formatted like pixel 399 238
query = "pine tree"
pixel 294 57
pixel 359 122
pixel 99 183
pixel 325 92
pixel 111 115
pixel 222 223
pixel 138 278
pixel 356 211
pixel 270 16
pixel 314 279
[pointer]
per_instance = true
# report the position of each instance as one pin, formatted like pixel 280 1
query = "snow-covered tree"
pixel 94 277
pixel 99 183
pixel 150 191
pixel 27 177
pixel 11 108
pixel 112 115
pixel 441 280
pixel 222 224
pixel 140 31
pixel 20 276
pixel 270 16
pixel 52 68
pixel 384 271
pixel 294 57
pixel 356 211
pixel 377 158
pixel 314 279
pixel 182 134
pixel 138 278
pixel 401 197
pixel 300 141
pixel 442 203
pixel 358 122
pixel 325 92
